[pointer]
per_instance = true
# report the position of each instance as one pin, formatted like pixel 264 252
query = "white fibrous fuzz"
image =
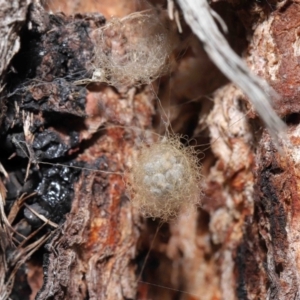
pixel 133 50
pixel 165 179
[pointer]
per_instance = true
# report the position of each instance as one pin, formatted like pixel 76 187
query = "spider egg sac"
pixel 165 179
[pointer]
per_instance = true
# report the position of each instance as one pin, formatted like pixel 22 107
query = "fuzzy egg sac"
pixel 165 179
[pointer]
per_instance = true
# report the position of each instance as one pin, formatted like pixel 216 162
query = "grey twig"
pixel 198 14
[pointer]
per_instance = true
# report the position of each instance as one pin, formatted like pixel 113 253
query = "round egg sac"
pixel 165 179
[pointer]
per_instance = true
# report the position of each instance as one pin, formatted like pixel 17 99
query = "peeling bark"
pixel 13 15
pixel 52 126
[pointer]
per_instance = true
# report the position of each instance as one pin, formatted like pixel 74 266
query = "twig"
pixel 199 16
pixel 17 205
pixel 43 218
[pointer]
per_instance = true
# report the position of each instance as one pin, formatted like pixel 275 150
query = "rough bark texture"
pixel 276 188
pixel 12 14
pixel 72 144
pixel 51 120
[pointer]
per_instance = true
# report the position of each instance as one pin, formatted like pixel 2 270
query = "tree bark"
pixel 67 147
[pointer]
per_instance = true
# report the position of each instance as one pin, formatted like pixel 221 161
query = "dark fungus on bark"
pixel 261 255
pixel 250 262
pixel 55 51
pixel 96 224
pixel 241 288
pixel 273 208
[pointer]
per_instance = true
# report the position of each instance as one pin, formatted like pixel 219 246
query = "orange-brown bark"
pixel 241 243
